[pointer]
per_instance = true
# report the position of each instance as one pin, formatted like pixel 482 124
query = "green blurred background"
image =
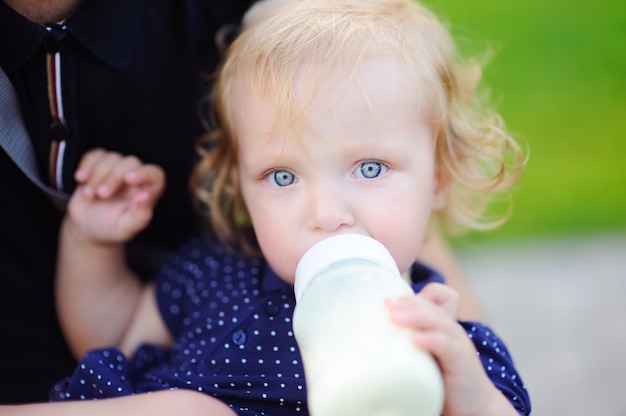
pixel 558 77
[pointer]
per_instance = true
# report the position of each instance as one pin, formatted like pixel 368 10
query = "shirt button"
pixel 239 337
pixel 272 309
pixel 52 42
pixel 58 131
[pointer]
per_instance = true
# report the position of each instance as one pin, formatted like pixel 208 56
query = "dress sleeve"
pixel 190 280
pixel 498 365
pixel 177 282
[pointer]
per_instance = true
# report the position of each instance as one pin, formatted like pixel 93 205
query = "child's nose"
pixel 330 209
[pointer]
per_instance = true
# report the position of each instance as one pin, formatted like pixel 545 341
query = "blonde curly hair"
pixel 475 156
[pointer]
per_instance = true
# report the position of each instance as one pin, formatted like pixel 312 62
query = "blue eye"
pixel 282 178
pixel 370 170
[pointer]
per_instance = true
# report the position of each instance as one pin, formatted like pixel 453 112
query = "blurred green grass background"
pixel 558 77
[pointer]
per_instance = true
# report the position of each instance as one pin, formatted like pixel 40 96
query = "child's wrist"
pixel 73 234
pixel 497 405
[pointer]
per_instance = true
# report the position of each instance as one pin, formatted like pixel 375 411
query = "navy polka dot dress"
pixel 231 321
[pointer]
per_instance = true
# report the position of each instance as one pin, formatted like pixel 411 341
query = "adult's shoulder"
pixel 218 11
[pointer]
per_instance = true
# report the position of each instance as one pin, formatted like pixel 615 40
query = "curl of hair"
pixel 478 158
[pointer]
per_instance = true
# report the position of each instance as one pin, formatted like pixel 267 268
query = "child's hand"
pixel 115 196
pixel 433 315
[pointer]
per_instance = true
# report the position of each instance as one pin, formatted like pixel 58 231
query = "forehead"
pixel 371 108
pixel 373 85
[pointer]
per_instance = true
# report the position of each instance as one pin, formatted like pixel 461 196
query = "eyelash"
pixel 360 162
pixel 263 176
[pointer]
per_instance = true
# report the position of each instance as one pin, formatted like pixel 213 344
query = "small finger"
pixel 442 295
pixel 108 174
pixel 449 345
pixel 116 177
pixel 148 175
pixel 416 312
pixel 87 163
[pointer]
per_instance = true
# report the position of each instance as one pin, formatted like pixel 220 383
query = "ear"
pixel 442 181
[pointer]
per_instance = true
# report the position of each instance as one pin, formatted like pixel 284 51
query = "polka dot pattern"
pixel 498 365
pixel 231 321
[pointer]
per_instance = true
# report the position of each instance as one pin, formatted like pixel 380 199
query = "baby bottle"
pixel 357 362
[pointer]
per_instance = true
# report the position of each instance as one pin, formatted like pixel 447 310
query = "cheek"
pixel 271 226
pixel 275 238
pixel 402 225
pixel 403 236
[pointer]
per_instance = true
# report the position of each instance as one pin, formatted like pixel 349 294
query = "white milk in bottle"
pixel 357 362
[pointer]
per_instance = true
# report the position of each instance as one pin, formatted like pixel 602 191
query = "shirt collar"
pixel 105 28
pixel 19 38
pixel 422 275
pixel 271 282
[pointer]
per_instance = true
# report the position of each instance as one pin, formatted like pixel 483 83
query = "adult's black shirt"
pixel 132 76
